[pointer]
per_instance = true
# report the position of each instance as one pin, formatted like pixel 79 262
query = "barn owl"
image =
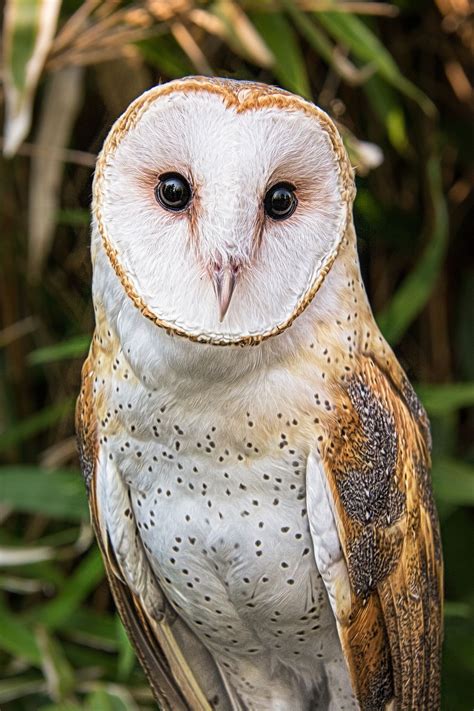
pixel 257 463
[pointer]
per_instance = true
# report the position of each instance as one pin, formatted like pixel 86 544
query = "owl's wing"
pixel 376 540
pixel 146 615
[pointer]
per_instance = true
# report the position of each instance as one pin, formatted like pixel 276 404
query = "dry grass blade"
pixel 66 155
pixel 28 32
pixel 191 48
pixel 348 71
pixel 96 56
pixel 209 22
pixel 109 37
pixel 72 27
pixel 25 555
pixel 459 80
pixel 240 31
pixel 59 110
pixel 21 586
pixel 60 453
pixel 381 9
pixel 56 668
pixel 169 9
pixel 333 55
pixel 357 8
pixel 17 330
pixel 97 31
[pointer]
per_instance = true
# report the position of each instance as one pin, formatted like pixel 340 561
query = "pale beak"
pixel 224 284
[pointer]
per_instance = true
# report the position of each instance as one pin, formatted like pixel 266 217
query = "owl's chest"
pixel 218 489
pixel 221 511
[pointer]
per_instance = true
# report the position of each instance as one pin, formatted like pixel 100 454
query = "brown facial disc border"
pixel 258 96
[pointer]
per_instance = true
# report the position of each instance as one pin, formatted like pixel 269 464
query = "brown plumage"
pixel 392 636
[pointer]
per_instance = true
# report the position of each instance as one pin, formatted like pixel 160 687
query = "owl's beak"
pixel 223 280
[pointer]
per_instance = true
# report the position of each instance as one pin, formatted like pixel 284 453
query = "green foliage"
pixel 62 647
pixel 30 489
pixel 289 68
pixel 356 35
pixel 417 287
pixel 40 421
pixel 72 348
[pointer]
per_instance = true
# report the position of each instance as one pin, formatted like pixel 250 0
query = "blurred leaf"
pixel 60 494
pixel 88 656
pixel 441 399
pixel 36 423
pixel 165 53
pixel 72 348
pixel 458 664
pixel 457 609
pixel 16 637
pixel 321 44
pixel 126 656
pixel 103 700
pixel 57 670
pixel 18 687
pixel 85 578
pixel 444 432
pixel 77 217
pixel 415 290
pixel 387 106
pixel 352 32
pixel 28 30
pixel 289 68
pixel 453 481
pixel 94 629
pixel 465 324
pixel 59 108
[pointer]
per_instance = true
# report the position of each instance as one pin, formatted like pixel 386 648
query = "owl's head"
pixel 221 206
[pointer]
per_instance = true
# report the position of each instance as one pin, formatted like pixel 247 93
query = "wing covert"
pixel 376 540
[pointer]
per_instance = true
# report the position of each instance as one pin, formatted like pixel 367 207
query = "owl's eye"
pixel 280 201
pixel 173 191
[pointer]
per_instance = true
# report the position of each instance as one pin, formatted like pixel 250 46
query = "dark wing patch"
pixel 377 467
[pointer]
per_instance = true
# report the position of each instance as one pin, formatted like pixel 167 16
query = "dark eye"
pixel 173 191
pixel 280 201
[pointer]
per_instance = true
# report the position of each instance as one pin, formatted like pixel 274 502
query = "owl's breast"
pixel 222 515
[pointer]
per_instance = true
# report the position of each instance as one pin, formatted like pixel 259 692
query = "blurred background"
pixel 396 76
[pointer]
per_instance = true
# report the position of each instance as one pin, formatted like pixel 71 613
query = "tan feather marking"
pixel 365 643
pixel 378 468
pixel 86 421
